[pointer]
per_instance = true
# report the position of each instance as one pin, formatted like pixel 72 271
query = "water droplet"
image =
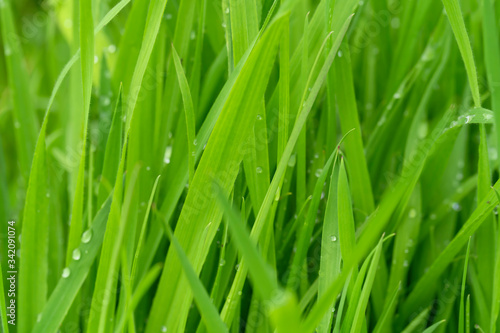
pixel 39 317
pixel 460 176
pixel 223 24
pixel 148 168
pixel 333 238
pixel 397 95
pixel 112 48
pixel 469 118
pixel 413 213
pixel 17 124
pixel 318 172
pixel 87 236
pixel 237 267
pixel 487 116
pixel 164 328
pixel 456 206
pixel 168 154
pixel 227 10
pixel 193 35
pixel 433 216
pixel 106 101
pixel 195 142
pixel 406 250
pixel 259 117
pixel 333 310
pixel 405 263
pixel 47 195
pixel 292 160
pixel 259 170
pixel 339 53
pixel 77 254
pixel 66 272
pixel 222 262
pixel 239 293
pixel 96 59
pixel 7 51
pixel 168 16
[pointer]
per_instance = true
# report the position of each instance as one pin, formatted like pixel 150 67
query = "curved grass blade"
pixel 434 327
pixel 418 322
pixel 188 111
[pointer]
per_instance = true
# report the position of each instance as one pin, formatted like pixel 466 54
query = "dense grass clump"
pixel 249 166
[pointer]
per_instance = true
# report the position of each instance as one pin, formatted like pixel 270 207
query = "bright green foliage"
pixel 250 165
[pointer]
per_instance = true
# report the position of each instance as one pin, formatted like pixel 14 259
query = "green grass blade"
pixel 330 248
pixel 434 327
pixel 457 23
pixel 461 320
pixel 359 317
pixel 3 307
pixel 25 120
pixel 208 311
pixel 362 195
pixel 387 309
pixel 347 236
pixel 112 152
pixel 34 248
pixel 232 127
pixel 188 111
pixel 419 296
pixel 418 322
pixel 74 275
pixel 491 54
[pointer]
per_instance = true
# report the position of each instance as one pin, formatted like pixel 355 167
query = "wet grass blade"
pixel 74 275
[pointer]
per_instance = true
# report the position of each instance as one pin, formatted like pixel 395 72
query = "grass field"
pixel 249 166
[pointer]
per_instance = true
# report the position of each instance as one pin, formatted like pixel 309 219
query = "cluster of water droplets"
pixel 77 253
